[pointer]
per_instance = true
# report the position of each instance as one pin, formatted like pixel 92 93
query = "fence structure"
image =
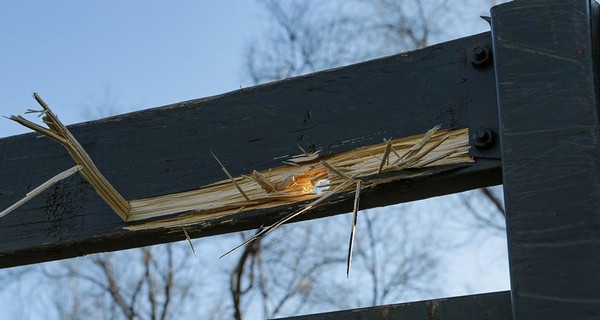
pixel 527 92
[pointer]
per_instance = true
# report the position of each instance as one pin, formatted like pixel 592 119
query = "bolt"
pixel 482 138
pixel 479 53
pixel 480 56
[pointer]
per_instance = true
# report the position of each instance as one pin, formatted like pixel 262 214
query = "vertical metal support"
pixel 548 104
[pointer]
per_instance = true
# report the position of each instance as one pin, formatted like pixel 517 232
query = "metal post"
pixel 544 53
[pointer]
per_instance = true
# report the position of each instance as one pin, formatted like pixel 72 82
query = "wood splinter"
pixel 237 186
pixel 189 240
pixel 386 155
pixel 30 195
pixel 353 227
pixel 301 158
pixel 58 132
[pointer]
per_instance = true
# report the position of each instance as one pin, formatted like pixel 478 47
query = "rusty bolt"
pixel 480 56
pixel 483 138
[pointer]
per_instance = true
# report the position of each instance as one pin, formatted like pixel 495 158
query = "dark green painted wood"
pixel 488 306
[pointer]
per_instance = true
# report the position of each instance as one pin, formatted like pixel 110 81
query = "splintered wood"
pixel 305 181
pixel 57 132
pixel 307 177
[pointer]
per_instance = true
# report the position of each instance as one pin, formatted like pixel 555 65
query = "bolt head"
pixel 480 56
pixel 481 135
pixel 482 138
pixel 479 52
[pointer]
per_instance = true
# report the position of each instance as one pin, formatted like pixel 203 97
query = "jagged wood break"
pixel 303 178
pixel 307 181
pixel 58 132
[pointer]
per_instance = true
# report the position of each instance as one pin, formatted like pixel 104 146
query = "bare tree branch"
pixel 236 288
pixel 494 199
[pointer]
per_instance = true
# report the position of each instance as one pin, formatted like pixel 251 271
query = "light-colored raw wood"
pixel 299 181
pixel 58 132
pixel 353 226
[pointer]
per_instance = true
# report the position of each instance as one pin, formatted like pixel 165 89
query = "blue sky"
pixel 135 54
pixel 138 54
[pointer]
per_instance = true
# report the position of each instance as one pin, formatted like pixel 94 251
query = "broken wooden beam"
pixel 166 150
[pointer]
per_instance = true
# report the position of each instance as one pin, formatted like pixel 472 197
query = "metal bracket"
pixel 482 103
